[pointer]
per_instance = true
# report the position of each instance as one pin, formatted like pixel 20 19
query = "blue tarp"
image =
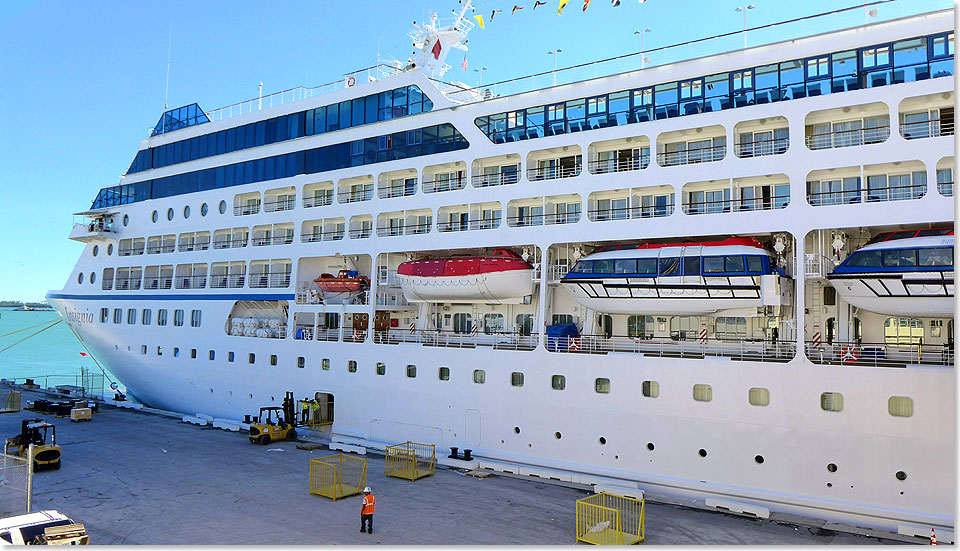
pixel 558 336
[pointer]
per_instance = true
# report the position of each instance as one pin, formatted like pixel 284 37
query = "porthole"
pixel 110 249
pixel 211 391
pixel 170 214
pixel 272 399
pixel 832 467
pixel 557 435
pixel 516 430
pixel 650 446
pixel 203 209
pixel 223 207
pixel 186 211
pixel 702 452
pixel 758 459
pixel 93 277
pixel 96 250
pixel 126 219
pixel 154 217
pixel 829 485
pixel 901 475
pixel 602 441
pixel 250 395
pixel 80 277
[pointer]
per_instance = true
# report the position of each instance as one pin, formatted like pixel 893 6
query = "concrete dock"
pixel 139 478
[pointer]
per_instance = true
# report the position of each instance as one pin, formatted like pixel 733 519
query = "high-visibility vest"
pixel 315 405
pixel 305 405
pixel 368 503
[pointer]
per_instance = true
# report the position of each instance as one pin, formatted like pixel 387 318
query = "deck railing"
pixel 248 209
pixel 354 196
pixel 688 347
pixel 535 174
pixel 318 201
pixel 761 148
pixel 864 195
pixel 543 219
pixel 848 138
pixel 501 340
pixel 199 245
pixel 736 205
pixel 279 205
pixel 932 128
pixel 607 166
pixel 903 354
pixel 500 178
pixel 227 281
pixel 191 282
pixel 626 213
pixel 127 283
pixel 450 184
pixel 269 279
pixel 692 156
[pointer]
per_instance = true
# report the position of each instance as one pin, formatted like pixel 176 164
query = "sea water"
pixel 50 358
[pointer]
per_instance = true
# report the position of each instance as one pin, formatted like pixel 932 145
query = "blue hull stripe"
pixel 174 297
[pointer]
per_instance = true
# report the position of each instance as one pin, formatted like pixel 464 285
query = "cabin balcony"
pixel 478 216
pixel 414 222
pixel 132 247
pixel 127 279
pixel 361 227
pixel 896 181
pixel 625 204
pixel 355 189
pixel 272 234
pixel 736 195
pixel 761 137
pixel 554 163
pixel 279 199
pixel 880 354
pixel 623 155
pixel 697 145
pixel 227 275
pixel 495 171
pixel 199 241
pixel 230 239
pixel 540 211
pixel 157 244
pixel 245 204
pixel 268 279
pixel 327 229
pixel 929 116
pixel 398 183
pixel 444 177
pixel 89 227
pixel 741 349
pixel 500 340
pixel 191 276
pixel 158 277
pixel 847 126
pixel 945 176
pixel 318 194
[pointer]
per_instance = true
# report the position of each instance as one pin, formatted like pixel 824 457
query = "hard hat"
pixel 366 490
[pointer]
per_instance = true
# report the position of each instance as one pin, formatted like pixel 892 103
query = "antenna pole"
pixel 166 91
pixel 466 6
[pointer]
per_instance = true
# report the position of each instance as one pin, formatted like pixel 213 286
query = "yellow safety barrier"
pixel 317 413
pixel 607 519
pixel 411 460
pixel 11 404
pixel 337 476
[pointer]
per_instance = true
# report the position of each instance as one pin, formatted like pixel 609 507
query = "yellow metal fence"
pixel 607 519
pixel 11 402
pixel 411 460
pixel 316 414
pixel 337 476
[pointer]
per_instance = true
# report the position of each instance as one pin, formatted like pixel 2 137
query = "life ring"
pixel 351 82
pixel 849 354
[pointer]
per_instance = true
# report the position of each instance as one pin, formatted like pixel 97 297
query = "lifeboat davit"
pixel 500 278
pixel 343 286
pixel 902 273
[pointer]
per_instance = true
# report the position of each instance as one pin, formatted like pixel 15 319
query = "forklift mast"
pixel 289 409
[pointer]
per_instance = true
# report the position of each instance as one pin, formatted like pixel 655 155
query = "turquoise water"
pixel 50 358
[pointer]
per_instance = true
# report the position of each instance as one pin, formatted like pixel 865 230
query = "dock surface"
pixel 137 478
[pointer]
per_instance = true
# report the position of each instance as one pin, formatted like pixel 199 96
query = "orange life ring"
pixel 351 82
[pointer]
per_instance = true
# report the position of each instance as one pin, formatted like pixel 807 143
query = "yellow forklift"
pixel 34 431
pixel 275 423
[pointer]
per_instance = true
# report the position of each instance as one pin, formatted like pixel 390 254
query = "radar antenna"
pixel 432 43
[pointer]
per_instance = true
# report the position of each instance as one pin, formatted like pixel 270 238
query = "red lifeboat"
pixel 501 277
pixel 346 281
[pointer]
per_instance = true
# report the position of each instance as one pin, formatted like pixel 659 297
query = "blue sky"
pixel 82 82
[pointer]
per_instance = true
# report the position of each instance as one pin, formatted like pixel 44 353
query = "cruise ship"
pixel 724 277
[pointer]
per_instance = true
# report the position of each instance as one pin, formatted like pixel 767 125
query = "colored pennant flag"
pixel 479 19
pixel 436 50
pixel 515 8
pixel 538 3
pixel 641 1
pixel 586 4
pixel 464 64
pixel 615 3
pixel 494 12
pixel 84 354
pixel 563 4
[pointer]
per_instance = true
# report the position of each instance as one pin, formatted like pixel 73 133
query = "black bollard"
pixel 453 453
pixel 246 419
pixel 466 455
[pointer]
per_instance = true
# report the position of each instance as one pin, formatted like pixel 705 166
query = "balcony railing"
pixel 391 191
pixel 131 251
pixel 318 201
pixel 543 219
pixel 692 156
pixel 762 148
pixel 626 213
pixel 279 205
pixel 945 188
pixel 607 166
pixel 230 243
pixel 354 196
pixel 500 178
pixel 556 273
pixel 361 233
pixel 284 239
pixel 157 249
pixel 501 340
pixel 416 229
pixel 244 210
pixel 876 195
pixel 195 246
pixel 816 265
pixel 903 354
pixel 848 138
pixel 391 298
pixel 736 205
pixel 450 184
pixel 737 349
pixel 315 237
pixel 127 283
pixel 191 282
pixel 926 129
pixel 155 283
pixel 466 225
pixel 227 281
pixel 269 279
pixel 353 335
pixel 535 174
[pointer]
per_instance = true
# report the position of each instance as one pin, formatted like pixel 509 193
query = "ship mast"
pixel 433 43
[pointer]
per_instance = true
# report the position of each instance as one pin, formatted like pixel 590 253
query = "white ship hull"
pixel 494 287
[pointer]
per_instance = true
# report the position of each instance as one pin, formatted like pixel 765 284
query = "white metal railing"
pixel 932 128
pixel 227 281
pixel 186 246
pixel 761 148
pixel 269 279
pixel 556 273
pixel 535 174
pixel 126 283
pixel 500 178
pixel 391 298
pixel 543 219
pixel 361 233
pixel 503 340
pixel 400 190
pixel 692 156
pixel 318 201
pixel 886 354
pixel 244 210
pixel 191 282
pixel 690 347
pixel 279 205
pixel 848 138
pixel 467 225
pixel 450 184
pixel 155 283
pixel 816 265
pixel 354 196
pixel 626 213
pixel 608 166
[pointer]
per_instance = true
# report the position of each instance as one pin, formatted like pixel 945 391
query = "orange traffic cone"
pixel 933 537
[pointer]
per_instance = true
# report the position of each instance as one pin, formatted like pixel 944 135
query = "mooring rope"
pixel 25 329
pixel 30 336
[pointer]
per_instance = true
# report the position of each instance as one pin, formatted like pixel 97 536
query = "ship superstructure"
pixel 637 279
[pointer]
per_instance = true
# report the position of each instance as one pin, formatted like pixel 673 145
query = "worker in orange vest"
pixel 366 510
